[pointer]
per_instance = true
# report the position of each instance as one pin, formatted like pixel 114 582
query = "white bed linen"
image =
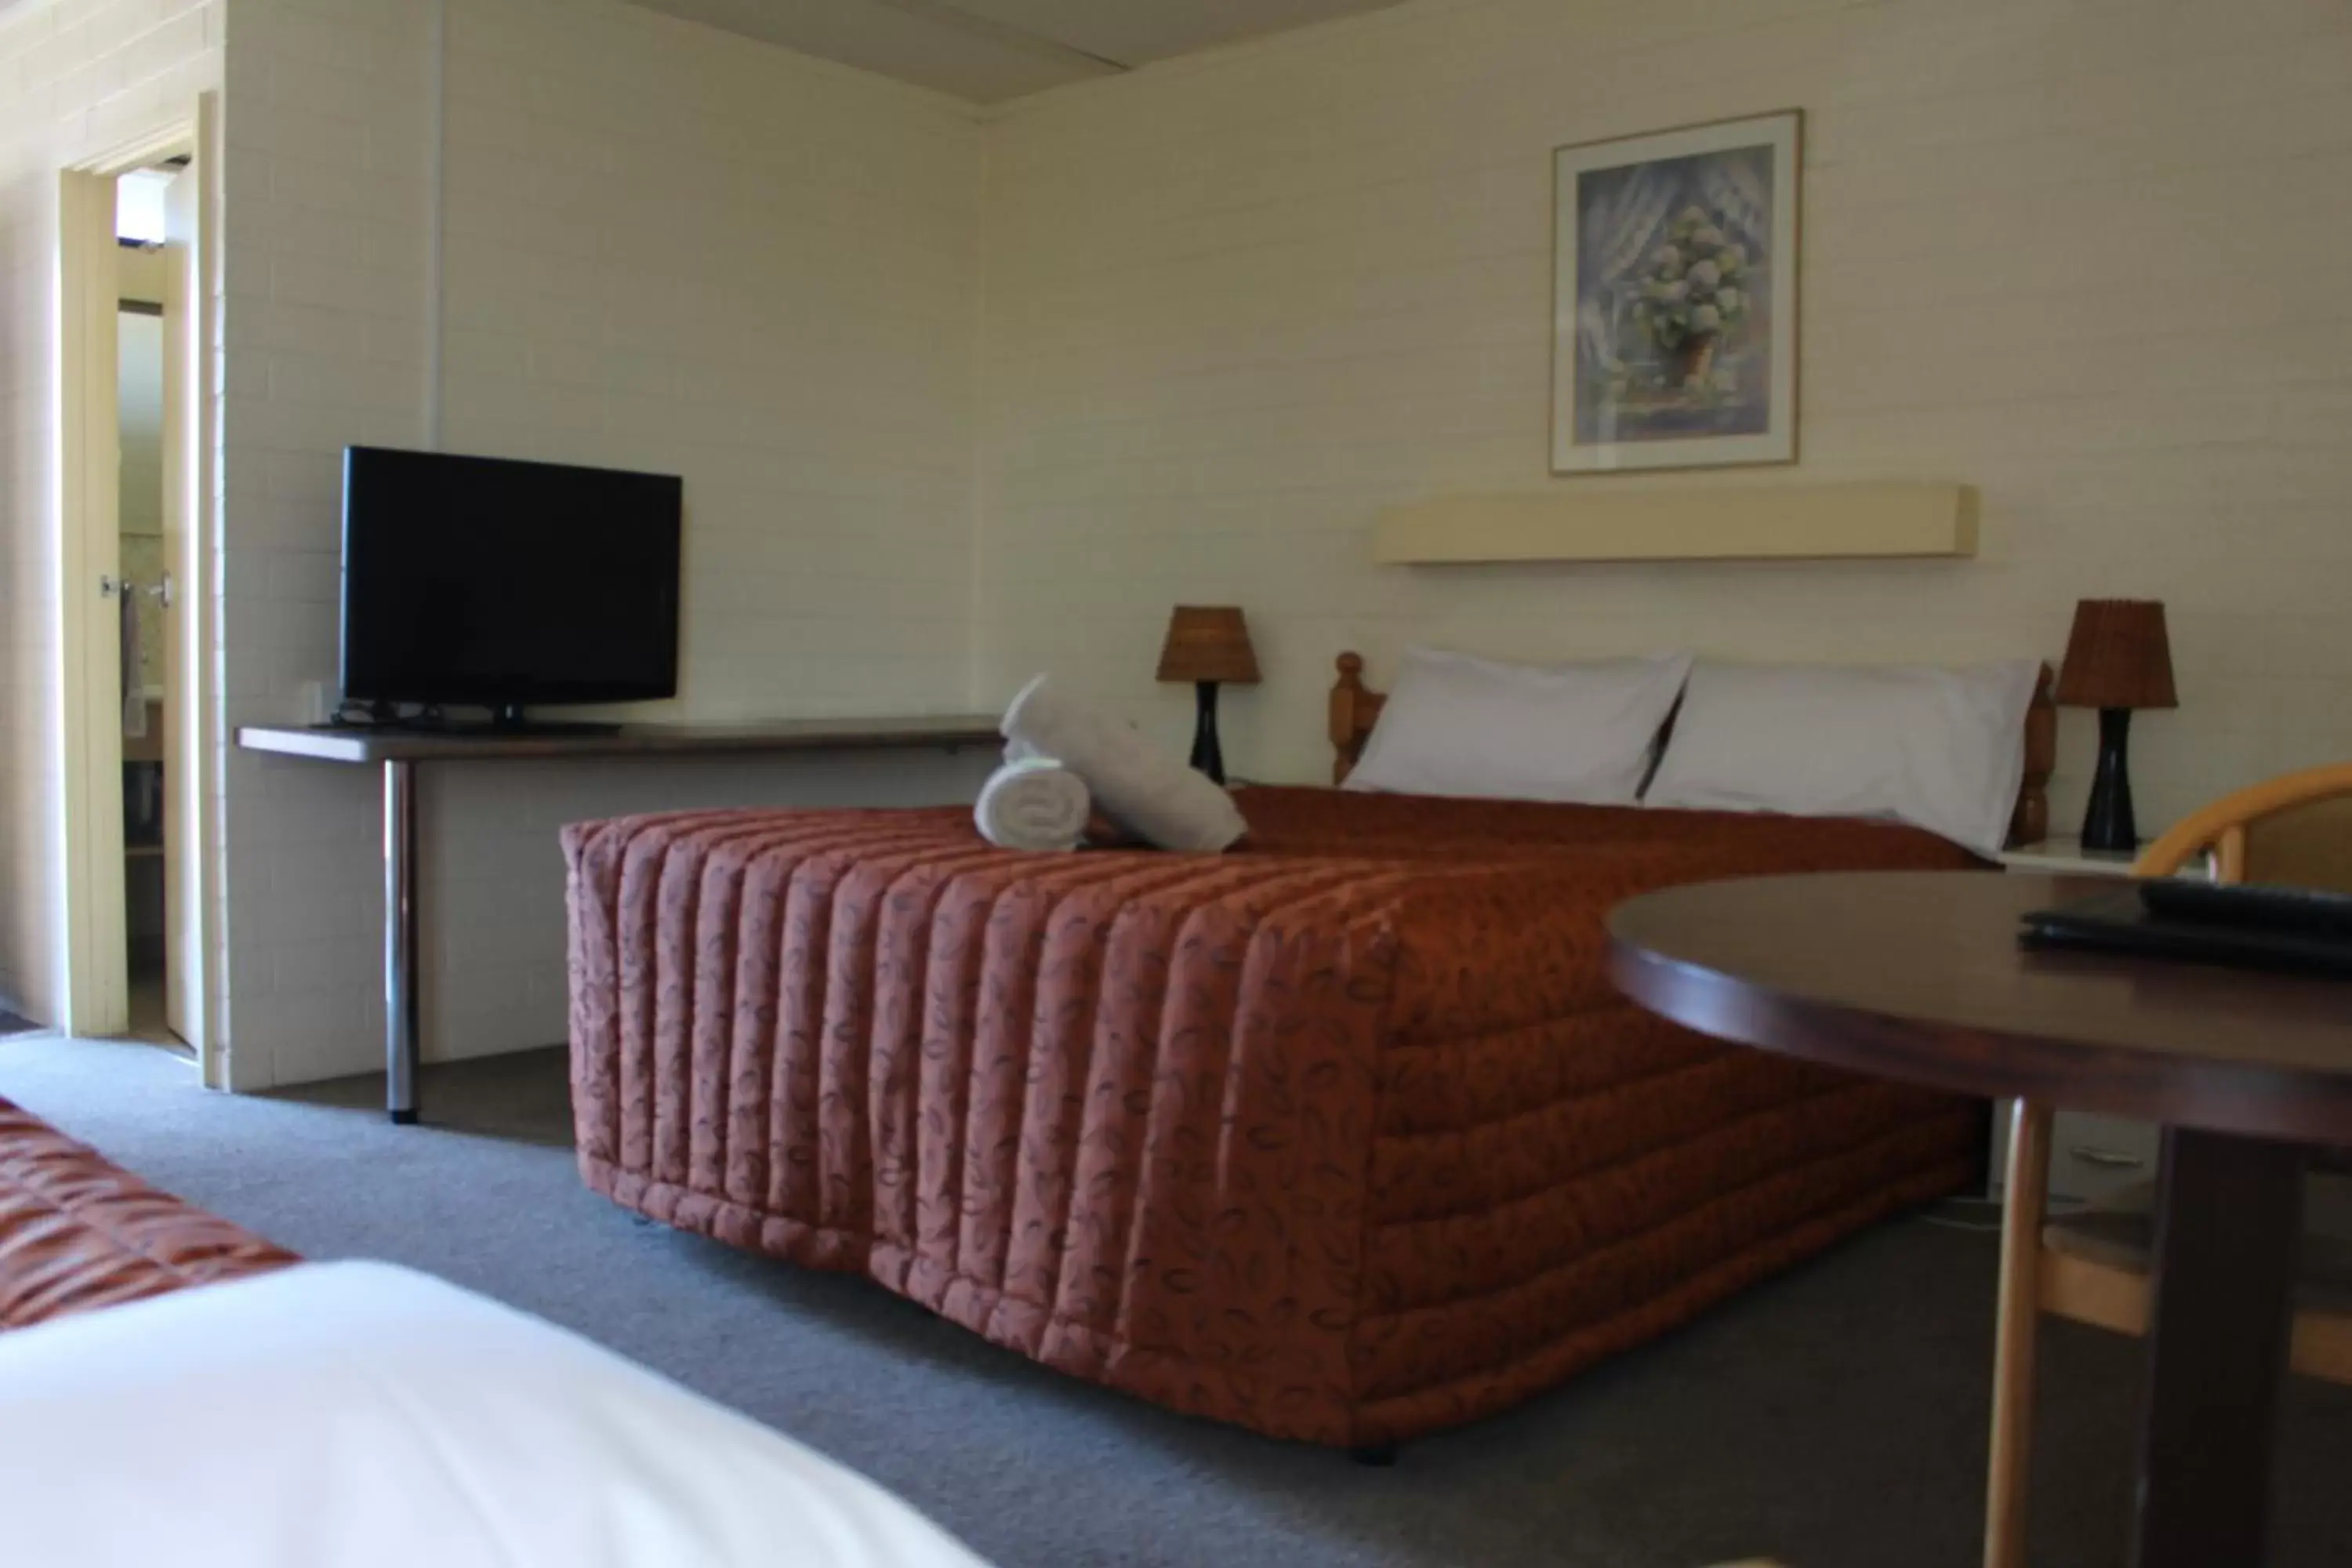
pixel 363 1415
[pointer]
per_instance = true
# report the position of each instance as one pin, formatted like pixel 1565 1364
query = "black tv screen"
pixel 486 581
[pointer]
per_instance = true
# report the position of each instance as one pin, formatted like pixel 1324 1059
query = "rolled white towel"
pixel 1032 802
pixel 1151 794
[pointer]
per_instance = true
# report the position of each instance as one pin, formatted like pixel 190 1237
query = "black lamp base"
pixel 2107 824
pixel 1207 755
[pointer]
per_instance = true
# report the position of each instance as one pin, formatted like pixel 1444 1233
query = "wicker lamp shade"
pixel 1208 642
pixel 2117 656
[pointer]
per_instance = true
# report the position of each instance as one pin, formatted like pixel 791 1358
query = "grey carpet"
pixel 1833 1419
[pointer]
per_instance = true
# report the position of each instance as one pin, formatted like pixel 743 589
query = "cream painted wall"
pixel 660 247
pixel 668 248
pixel 77 78
pixel 2085 257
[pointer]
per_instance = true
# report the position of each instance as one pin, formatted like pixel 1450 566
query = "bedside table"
pixel 2063 854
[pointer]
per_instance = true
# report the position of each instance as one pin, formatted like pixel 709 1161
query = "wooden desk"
pixel 400 751
pixel 1918 977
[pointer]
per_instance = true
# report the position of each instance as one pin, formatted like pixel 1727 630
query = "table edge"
pixel 2249 1100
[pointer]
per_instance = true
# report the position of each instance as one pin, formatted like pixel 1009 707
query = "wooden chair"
pixel 2093 1266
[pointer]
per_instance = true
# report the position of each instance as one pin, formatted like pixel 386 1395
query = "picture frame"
pixel 1675 330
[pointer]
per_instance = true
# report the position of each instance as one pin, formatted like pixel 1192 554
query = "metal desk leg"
pixel 400 1022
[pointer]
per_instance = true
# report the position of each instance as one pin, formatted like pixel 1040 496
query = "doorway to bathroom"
pixel 137 297
pixel 145 585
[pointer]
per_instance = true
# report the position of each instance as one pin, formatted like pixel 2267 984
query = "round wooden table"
pixel 1918 977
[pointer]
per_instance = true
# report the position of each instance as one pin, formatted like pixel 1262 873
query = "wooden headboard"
pixel 1355 708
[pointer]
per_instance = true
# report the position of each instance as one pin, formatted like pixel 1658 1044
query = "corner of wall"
pixel 978 677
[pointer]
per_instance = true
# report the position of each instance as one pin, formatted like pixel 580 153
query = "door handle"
pixel 2113 1159
pixel 162 593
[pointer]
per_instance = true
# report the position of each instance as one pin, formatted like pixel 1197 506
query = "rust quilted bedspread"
pixel 78 1232
pixel 1344 1136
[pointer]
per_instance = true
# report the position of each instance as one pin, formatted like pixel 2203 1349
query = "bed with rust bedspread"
pixel 1344 1136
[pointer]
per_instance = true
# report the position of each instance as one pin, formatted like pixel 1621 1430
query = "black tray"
pixel 2245 927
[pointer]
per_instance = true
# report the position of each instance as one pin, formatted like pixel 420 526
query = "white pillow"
pixel 1939 749
pixel 1457 725
pixel 360 1416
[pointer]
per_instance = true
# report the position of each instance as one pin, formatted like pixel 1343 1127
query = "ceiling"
pixel 990 50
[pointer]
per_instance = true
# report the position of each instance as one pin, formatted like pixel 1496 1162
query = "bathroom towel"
pixel 1150 794
pixel 1032 802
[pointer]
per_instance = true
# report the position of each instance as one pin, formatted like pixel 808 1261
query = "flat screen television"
pixel 486 581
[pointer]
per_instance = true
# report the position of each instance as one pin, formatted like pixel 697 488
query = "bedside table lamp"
pixel 2117 658
pixel 1209 645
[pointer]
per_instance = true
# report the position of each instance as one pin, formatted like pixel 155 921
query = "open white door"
pixel 183 957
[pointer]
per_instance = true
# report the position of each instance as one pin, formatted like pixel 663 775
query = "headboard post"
pixel 1348 696
pixel 2030 824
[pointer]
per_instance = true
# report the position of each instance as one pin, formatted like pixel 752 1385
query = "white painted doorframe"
pixel 96 980
pixel 89 706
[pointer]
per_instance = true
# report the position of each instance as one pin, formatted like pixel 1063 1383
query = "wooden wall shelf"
pixel 1748 522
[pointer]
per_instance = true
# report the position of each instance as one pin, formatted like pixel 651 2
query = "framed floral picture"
pixel 1674 298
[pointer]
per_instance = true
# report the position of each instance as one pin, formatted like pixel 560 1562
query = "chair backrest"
pixel 2309 847
pixel 2295 830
